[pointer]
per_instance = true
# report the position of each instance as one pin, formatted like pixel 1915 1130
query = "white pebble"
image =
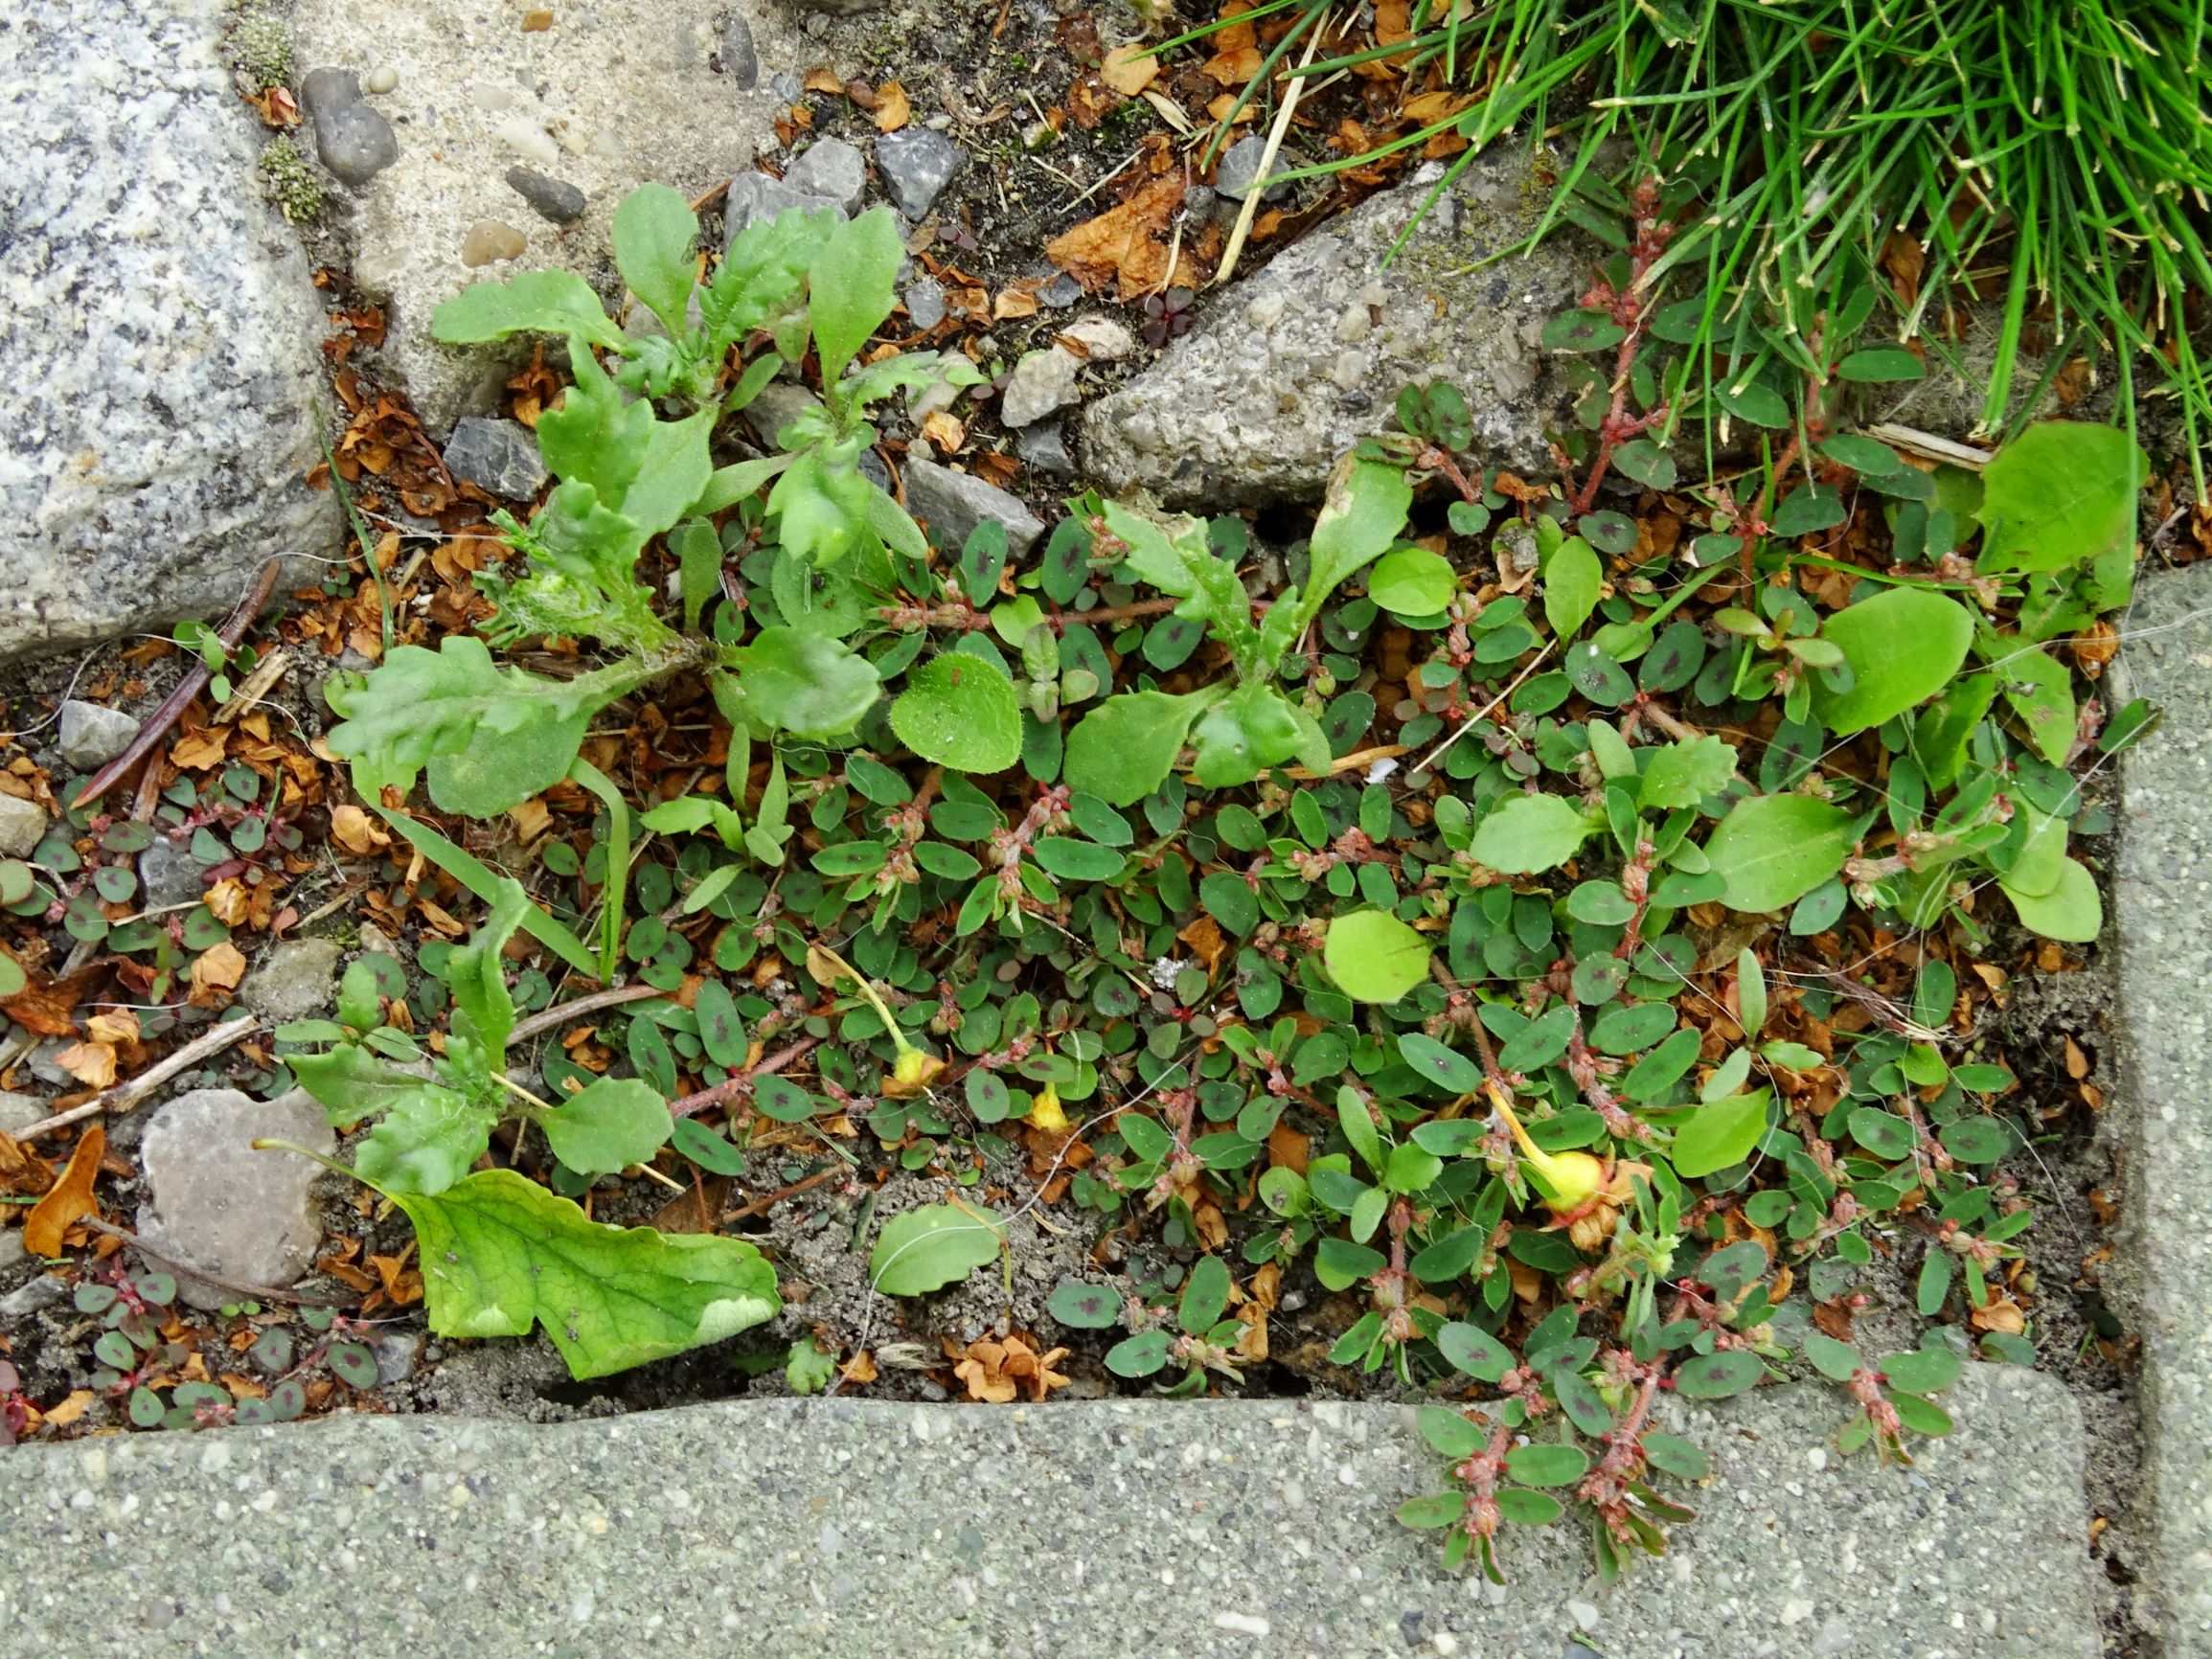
pixel 1245 1623
pixel 530 141
pixel 382 78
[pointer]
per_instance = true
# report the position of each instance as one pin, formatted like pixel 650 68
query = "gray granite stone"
pixel 953 504
pixel 497 455
pixel 2160 915
pixel 91 735
pixel 1207 1530
pixel 159 335
pixel 212 1202
pixel 1291 366
pixel 917 163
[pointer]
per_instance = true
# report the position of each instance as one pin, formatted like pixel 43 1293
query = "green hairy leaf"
pixel 1772 850
pixel 960 709
pixel 804 684
pixel 1124 749
pixel 927 1248
pixel 654 230
pixel 852 287
pixel 500 1254
pixel 2060 494
pixel 531 302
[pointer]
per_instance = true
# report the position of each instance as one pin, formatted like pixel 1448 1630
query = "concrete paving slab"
pixel 829 1529
pixel 2162 904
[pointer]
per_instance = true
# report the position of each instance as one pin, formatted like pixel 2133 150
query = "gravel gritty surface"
pixel 2159 895
pixel 846 1528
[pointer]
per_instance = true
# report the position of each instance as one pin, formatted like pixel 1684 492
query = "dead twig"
pixel 589 1003
pixel 127 1095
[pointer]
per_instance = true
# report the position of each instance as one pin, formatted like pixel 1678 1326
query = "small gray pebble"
pixel 1045 449
pixel 873 469
pixel 499 457
pixel 354 141
pixel 785 87
pixel 1060 293
pixel 167 875
pixel 92 736
pixel 741 59
pixel 1240 169
pixel 916 164
pixel 830 168
pixel 554 198
pixel 926 304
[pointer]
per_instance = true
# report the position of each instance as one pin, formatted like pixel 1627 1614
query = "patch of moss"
pixel 261 46
pixel 291 181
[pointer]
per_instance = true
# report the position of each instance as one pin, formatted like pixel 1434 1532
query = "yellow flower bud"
pixel 1046 1113
pixel 1565 1181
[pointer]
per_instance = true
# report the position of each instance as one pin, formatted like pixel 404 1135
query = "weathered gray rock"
pixel 352 140
pixel 917 163
pixel 298 979
pixel 167 875
pixel 616 93
pixel 22 826
pixel 1207 1530
pixel 840 7
pixel 755 196
pixel 497 455
pixel 740 58
pixel 92 736
pixel 953 504
pixel 210 1201
pixel 831 168
pixel 555 199
pixel 2165 962
pixel 12 1248
pixel 1042 383
pixel 1289 368
pixel 158 331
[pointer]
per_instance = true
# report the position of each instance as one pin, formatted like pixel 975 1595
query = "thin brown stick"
pixel 172 706
pixel 762 1206
pixel 127 1095
pixel 236 1286
pixel 589 1003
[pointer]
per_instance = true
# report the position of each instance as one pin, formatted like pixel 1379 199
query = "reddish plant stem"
pixel 729 1088
pixel 172 706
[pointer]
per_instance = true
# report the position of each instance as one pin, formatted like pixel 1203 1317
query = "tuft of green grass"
pixel 2051 153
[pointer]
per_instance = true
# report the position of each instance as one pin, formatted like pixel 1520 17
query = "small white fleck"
pixel 1381 769
pixel 1584 1615
pixel 459 1496
pixel 1445 1642
pixel 266 1502
pixel 1243 1624
pixel 1796 1610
